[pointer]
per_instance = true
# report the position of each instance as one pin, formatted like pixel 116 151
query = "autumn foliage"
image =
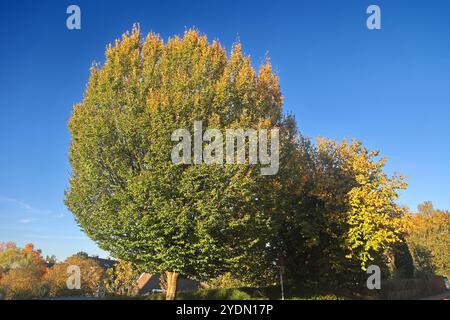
pixel 330 212
pixel 25 275
pixel 428 238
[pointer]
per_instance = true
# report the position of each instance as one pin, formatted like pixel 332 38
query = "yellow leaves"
pixel 214 121
pixel 267 80
pixel 122 279
pixel 373 217
pixel 236 56
pixel 91 274
pixel 265 124
pixel 245 78
pixel 428 237
pixel 268 91
pixel 152 50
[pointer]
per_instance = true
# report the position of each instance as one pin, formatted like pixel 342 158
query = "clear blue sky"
pixel 390 88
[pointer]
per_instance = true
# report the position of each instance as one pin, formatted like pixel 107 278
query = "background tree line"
pixel 25 274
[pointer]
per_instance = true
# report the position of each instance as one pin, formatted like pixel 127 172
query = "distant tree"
pixel 21 272
pixel 426 209
pixel 22 284
pixel 51 260
pixel 92 277
pixel 126 193
pixel 26 258
pixel 7 245
pixel 122 279
pixel 36 254
pixel 429 239
pixel 82 255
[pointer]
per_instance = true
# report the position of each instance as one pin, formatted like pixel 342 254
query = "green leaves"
pixel 126 193
pixel 331 207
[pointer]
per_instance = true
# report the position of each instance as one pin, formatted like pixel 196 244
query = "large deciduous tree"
pixel 125 192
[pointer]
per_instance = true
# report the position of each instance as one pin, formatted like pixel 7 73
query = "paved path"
pixel 442 296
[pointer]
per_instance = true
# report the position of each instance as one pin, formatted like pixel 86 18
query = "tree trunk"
pixel 171 291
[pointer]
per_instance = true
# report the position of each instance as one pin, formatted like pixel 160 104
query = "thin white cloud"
pixel 29 208
pixel 39 236
pixel 25 220
pixel 22 204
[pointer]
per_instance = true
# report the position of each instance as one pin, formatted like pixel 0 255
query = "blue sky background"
pixel 390 88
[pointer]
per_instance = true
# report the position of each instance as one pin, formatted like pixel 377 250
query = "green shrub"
pixel 226 281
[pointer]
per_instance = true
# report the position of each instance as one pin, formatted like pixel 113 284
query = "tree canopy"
pixel 428 238
pixel 126 193
pixel 329 212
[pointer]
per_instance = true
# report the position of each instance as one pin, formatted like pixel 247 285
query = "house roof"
pixel 105 263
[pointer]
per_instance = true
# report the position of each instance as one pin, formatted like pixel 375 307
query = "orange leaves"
pixel 36 254
pixel 29 247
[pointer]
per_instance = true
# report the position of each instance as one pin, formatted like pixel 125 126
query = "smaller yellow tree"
pixel 122 279
pixel 373 218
